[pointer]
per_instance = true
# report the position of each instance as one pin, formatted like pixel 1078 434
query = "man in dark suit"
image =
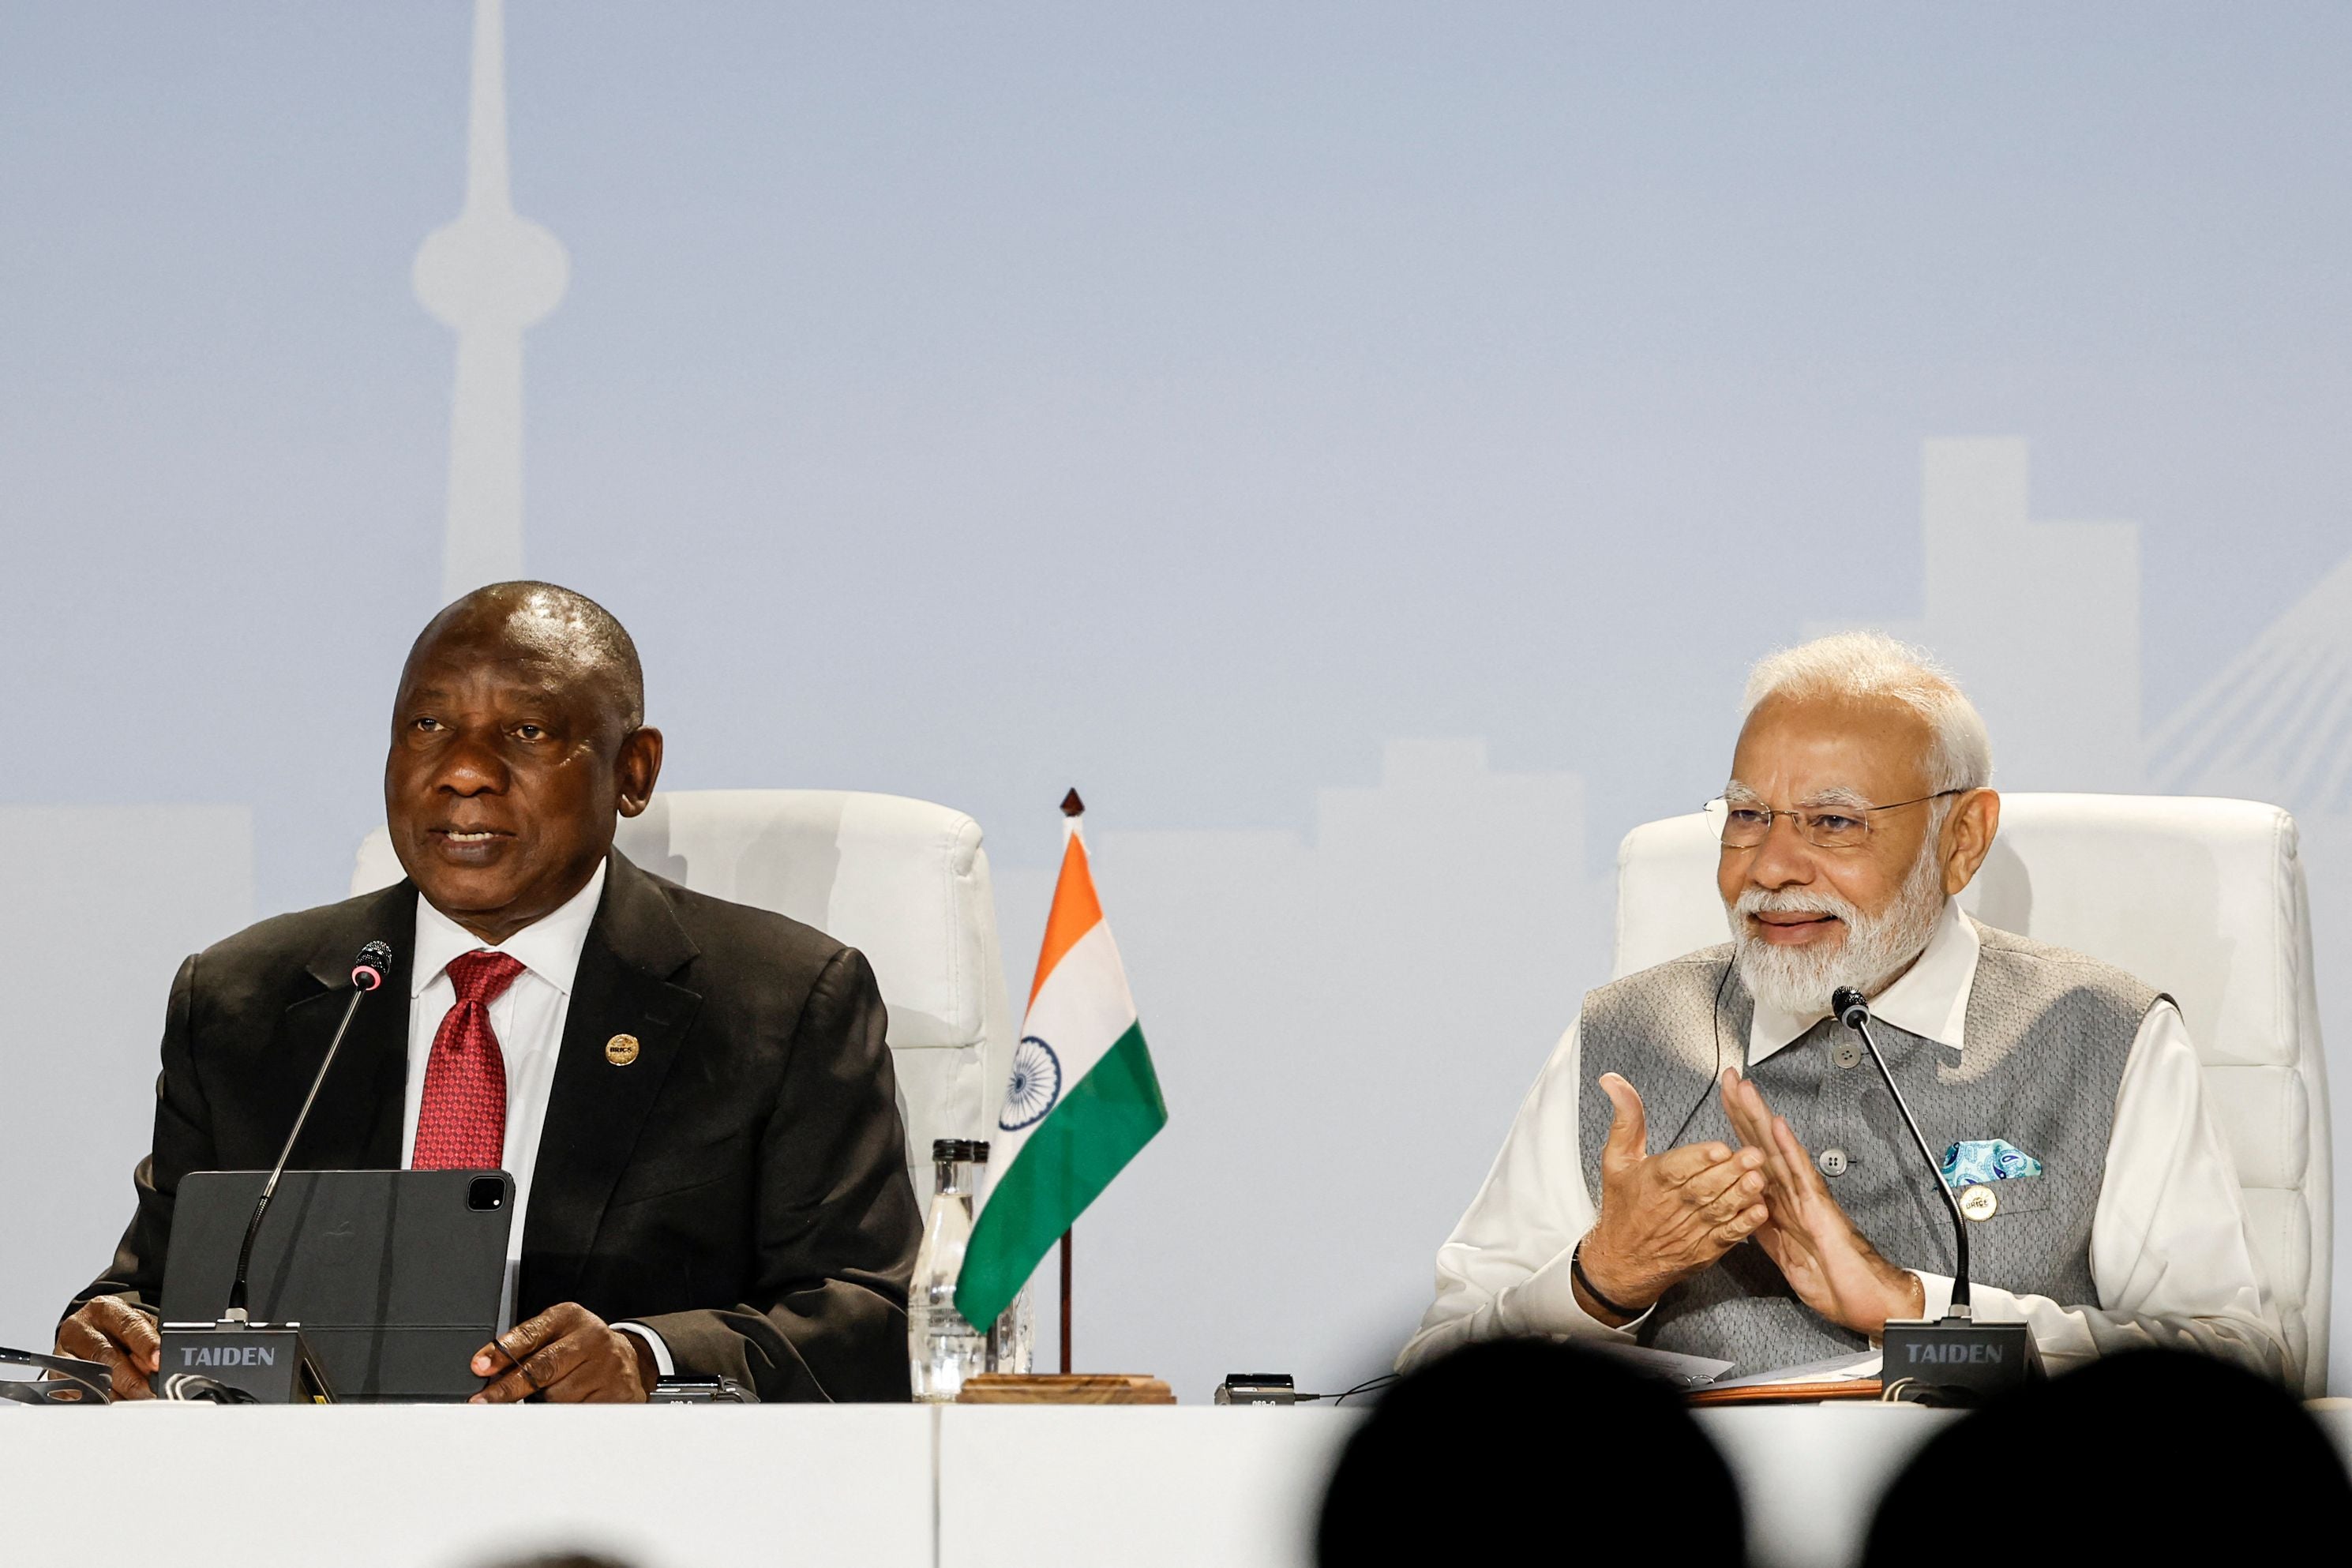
pixel 694 1097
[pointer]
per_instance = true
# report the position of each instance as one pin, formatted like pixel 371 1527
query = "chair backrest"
pixel 903 882
pixel 2203 898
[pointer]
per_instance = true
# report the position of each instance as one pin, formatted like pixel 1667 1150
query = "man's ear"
pixel 1967 837
pixel 635 770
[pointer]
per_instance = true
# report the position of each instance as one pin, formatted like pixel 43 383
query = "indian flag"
pixel 1083 1098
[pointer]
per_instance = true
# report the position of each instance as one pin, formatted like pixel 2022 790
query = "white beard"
pixel 1798 980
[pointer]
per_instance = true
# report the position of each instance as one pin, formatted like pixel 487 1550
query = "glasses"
pixel 1744 826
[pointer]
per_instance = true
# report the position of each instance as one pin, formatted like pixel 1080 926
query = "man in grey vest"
pixel 1706 1164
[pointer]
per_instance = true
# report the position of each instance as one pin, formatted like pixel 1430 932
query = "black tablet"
pixel 395 1276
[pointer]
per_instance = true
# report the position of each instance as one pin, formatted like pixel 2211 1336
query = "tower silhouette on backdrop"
pixel 489 275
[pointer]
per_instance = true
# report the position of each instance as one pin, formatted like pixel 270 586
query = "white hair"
pixel 1872 663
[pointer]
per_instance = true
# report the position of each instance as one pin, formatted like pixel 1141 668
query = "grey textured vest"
pixel 2048 1034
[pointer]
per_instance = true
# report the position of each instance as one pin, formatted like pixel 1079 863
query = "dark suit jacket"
pixel 740 1187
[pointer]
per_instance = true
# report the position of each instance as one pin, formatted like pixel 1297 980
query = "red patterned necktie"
pixel 461 1123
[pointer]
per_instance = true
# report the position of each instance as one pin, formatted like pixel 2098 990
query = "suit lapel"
pixel 355 1124
pixel 595 1108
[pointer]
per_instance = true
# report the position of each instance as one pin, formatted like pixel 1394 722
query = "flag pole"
pixel 1066 1301
pixel 1073 808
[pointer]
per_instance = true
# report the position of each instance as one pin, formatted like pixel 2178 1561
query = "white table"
pixel 883 1487
pixel 1172 1488
pixel 459 1486
pixel 1139 1486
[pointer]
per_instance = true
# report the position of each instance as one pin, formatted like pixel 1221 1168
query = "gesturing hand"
pixel 1664 1217
pixel 1828 1263
pixel 118 1336
pixel 571 1355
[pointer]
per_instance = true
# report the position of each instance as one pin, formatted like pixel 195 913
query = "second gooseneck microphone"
pixel 1853 1012
pixel 370 970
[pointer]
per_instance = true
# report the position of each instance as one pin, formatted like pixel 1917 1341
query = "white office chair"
pixel 903 882
pixel 2203 898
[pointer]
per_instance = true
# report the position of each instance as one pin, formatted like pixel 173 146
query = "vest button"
pixel 1847 1054
pixel 1831 1162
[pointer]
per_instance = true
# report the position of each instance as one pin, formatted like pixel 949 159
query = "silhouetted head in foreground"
pixel 1523 1451
pixel 2135 1458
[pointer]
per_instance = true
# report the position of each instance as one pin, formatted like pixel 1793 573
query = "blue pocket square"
pixel 1987 1160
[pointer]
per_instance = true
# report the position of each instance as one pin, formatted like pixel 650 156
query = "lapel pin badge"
pixel 621 1050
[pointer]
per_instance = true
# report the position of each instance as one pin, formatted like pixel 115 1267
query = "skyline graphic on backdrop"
pixel 2275 723
pixel 1382 985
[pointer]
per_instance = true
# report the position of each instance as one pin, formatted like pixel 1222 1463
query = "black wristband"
pixel 1576 1271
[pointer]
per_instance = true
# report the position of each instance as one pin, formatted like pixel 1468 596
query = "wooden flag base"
pixel 1064 1388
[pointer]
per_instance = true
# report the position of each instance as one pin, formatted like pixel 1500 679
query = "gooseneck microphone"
pixel 1853 1012
pixel 234 1359
pixel 368 970
pixel 1955 1360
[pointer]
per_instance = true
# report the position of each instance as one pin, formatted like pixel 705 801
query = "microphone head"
pixel 1848 1005
pixel 372 966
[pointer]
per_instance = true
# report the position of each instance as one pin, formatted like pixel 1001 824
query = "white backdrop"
pixel 1359 446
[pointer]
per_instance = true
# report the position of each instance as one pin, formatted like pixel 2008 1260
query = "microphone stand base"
pixel 231 1362
pixel 1956 1361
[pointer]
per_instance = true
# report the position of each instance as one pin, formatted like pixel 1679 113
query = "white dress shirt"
pixel 2168 1248
pixel 528 1018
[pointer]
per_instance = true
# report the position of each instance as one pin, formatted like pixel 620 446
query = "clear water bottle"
pixel 942 1349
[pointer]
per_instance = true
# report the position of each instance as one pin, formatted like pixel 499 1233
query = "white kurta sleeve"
pixel 1505 1270
pixel 2169 1245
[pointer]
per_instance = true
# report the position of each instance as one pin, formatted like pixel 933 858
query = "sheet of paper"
pixel 1837 1369
pixel 1690 1371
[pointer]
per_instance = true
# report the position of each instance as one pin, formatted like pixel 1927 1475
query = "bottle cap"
pixel 959 1149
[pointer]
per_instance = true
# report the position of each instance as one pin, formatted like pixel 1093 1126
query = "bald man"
pixel 732 1201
